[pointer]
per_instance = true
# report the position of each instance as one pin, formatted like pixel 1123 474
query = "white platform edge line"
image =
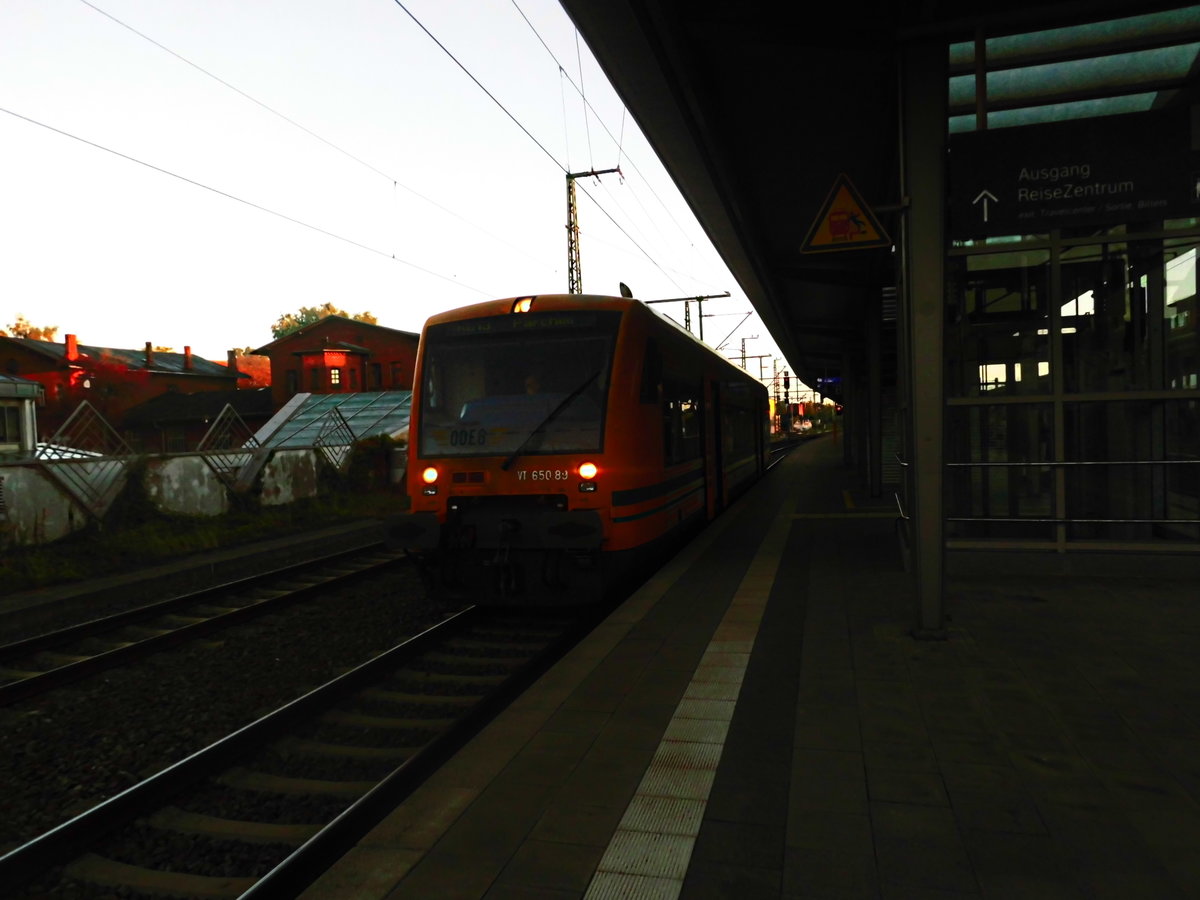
pixel 764 565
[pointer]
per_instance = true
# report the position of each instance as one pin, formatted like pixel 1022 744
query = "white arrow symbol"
pixel 985 195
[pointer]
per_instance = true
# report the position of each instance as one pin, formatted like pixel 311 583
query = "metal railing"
pixel 1046 464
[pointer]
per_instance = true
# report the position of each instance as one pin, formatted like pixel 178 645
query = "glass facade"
pixel 1072 352
pixel 1072 376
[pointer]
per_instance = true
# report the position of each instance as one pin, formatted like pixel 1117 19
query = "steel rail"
pixel 57 677
pixel 323 849
pixel 72 837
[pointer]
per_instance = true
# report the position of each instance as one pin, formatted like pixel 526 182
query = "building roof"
pixel 14 386
pixel 160 360
pixel 173 407
pixel 344 346
pixel 309 419
pixel 325 322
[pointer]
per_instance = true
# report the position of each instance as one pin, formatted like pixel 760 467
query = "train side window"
pixel 681 424
pixel 651 373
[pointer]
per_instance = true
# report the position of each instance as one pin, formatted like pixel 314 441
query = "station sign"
pixel 1106 170
pixel 845 222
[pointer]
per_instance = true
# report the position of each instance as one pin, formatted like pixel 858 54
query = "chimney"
pixel 149 354
pixel 233 367
pixel 187 358
pixel 72 348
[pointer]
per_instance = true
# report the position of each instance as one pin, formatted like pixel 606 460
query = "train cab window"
pixel 535 383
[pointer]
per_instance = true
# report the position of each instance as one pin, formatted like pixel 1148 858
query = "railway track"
pixel 33 665
pixel 262 812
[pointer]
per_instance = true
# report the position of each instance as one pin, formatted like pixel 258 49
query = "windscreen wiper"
pixel 550 417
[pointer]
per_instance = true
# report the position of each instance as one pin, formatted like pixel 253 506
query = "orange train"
pixel 561 444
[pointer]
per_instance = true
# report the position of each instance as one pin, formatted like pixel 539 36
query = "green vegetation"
pixel 307 315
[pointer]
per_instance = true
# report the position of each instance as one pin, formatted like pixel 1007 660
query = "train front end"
pixel 506 451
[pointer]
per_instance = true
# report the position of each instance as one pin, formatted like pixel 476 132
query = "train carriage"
pixel 560 444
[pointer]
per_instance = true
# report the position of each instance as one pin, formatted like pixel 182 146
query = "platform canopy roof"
pixel 758 108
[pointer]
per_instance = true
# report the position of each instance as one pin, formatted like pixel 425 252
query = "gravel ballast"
pixel 75 747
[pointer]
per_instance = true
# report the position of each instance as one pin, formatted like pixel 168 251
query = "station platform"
pixel 758 721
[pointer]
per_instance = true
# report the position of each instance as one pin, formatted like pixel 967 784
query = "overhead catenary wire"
pixel 395 182
pixel 250 203
pixel 619 141
pixel 587 128
pixel 528 133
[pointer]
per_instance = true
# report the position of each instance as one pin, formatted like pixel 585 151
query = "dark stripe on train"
pixel 653 491
pixel 663 508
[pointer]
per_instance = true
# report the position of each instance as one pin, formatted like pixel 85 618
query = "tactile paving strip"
pixel 649 854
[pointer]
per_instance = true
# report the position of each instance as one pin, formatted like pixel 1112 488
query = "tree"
pixel 22 329
pixel 306 315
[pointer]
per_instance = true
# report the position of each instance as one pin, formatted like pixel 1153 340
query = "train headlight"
pixel 588 471
pixel 429 476
pixel 522 304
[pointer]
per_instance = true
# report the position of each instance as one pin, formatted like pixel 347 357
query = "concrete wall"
pixel 290 475
pixel 36 509
pixel 185 485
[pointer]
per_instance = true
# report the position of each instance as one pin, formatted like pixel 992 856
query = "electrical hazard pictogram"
pixel 844 223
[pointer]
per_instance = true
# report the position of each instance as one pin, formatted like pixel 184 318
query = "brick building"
pixel 340 355
pixel 177 423
pixel 112 380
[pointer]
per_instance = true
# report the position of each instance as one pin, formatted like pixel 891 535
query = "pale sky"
pixel 343 156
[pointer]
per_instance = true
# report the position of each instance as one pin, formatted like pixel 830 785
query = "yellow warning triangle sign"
pixel 844 223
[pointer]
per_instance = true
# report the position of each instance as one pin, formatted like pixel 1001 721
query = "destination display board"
pixel 1028 180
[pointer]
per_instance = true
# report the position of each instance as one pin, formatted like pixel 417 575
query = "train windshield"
pixel 530 383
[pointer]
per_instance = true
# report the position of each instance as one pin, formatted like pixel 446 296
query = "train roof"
pixel 545 302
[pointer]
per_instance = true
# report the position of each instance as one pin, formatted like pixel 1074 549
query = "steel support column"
pixel 923 112
pixel 874 396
